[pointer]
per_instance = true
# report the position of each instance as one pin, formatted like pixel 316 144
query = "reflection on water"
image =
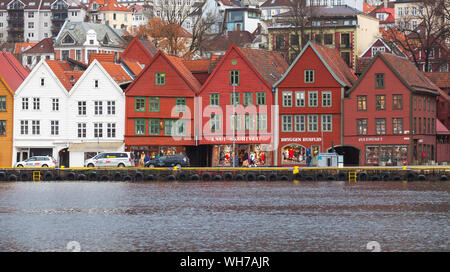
pixel 224 216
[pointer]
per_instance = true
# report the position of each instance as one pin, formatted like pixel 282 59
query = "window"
pixel 380 126
pixel 153 125
pixel 160 78
pixel 326 99
pixel 234 99
pixel 24 127
pixel 361 126
pixel 400 11
pixel 397 102
pixel 313 122
pixel 54 127
pixel 300 123
pixel 179 127
pixel 24 103
pixel 95 83
pixel 180 104
pixel 36 127
pixel 215 122
pixel 361 102
pixel 36 103
pixel 379 81
pixel 2 103
pixel 420 125
pixel 81 130
pixel 248 98
pixel 81 107
pixel 313 98
pixel 30 14
pixel 31 25
pixel 98 130
pixel 168 126
pixel 98 107
pixel 78 54
pixel 287 99
pixel 260 98
pixel 111 107
pixel 153 104
pixel 300 99
pixel 139 104
pixel 327 124
pixel 309 76
pixel 111 130
pixel 262 121
pixel 214 99
pixel 234 77
pixel 55 104
pixel 249 122
pixel 286 123
pixel 328 39
pixel 2 127
pixel 380 102
pixel 397 125
pixel 236 122
pixel 42 81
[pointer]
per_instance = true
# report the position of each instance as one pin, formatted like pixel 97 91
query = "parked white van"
pixel 111 159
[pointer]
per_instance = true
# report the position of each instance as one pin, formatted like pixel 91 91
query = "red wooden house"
pixel 141 50
pixel 235 106
pixel 160 108
pixel 309 97
pixel 390 114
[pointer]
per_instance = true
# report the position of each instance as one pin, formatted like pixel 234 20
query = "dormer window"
pixel 91 41
pixel 68 40
pixel 106 39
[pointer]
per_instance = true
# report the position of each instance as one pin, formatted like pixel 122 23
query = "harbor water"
pixel 224 216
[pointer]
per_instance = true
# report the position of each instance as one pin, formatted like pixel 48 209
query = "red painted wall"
pixel 137 52
pixel 145 87
pixel 378 43
pixel 324 81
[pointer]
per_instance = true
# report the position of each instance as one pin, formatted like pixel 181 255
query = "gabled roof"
pixel 44 46
pixel 108 57
pixel 332 60
pixel 12 71
pixel 113 5
pixel 388 44
pixel 367 8
pixel 19 48
pixel 406 72
pixel 177 65
pixel 224 40
pixel 64 72
pixel 147 46
pixel 200 65
pixel 441 79
pixel 276 3
pixel 117 72
pixel 441 129
pixel 134 66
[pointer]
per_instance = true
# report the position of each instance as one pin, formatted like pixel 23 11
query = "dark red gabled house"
pixel 160 108
pixel 140 50
pixel 309 97
pixel 235 106
pixel 390 114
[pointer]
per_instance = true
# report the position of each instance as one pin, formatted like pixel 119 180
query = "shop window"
pixel 309 76
pixel 397 125
pixel 160 78
pixel 313 98
pixel 248 99
pixel 287 99
pixel 380 126
pixel 260 98
pixel 293 154
pixel 234 77
pixel 386 155
pixel 313 123
pixel 300 99
pixel 214 99
pixel 300 123
pixel 153 126
pixel 286 123
pixel 379 81
pixel 139 126
pixel 153 104
pixel 380 102
pixel 361 102
pixel 361 126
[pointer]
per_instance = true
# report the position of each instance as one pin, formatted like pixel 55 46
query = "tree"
pixel 422 30
pixel 201 24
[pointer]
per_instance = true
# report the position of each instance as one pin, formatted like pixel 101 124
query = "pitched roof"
pixel 134 66
pixel 277 3
pixel 184 72
pixel 113 5
pixel 269 64
pixel 64 72
pixel 19 48
pixel 362 64
pixel 108 57
pixel 223 41
pixel 116 71
pixel 12 71
pixel 151 48
pixel 44 46
pixel 441 129
pixel 441 79
pixel 201 65
pixel 367 8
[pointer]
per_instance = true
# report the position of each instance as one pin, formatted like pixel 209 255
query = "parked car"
pixel 169 161
pixel 111 159
pixel 37 161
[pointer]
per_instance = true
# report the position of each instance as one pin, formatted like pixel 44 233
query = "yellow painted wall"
pixel 6 142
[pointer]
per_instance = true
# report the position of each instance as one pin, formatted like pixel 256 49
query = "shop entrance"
pixel 63 157
pixel 350 153
pixel 199 155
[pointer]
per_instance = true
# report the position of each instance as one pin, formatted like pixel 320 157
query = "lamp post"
pixel 234 125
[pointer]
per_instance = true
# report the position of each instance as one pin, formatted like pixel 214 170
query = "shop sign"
pixel 370 139
pixel 305 139
pixel 238 138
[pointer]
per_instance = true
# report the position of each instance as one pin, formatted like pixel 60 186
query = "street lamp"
pixel 234 125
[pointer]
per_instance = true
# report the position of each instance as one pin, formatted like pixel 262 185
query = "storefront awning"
pixel 96 147
pixel 441 129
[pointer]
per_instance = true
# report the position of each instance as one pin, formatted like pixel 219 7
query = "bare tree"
pixel 201 24
pixel 422 30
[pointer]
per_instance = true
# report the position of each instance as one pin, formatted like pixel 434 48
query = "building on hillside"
pixel 141 15
pixel 78 40
pixel 242 19
pixel 160 110
pixel 215 9
pixel 235 106
pixel 111 13
pixel 356 4
pixel 219 44
pixel 347 29
pixel 140 50
pixel 34 20
pixel 12 74
pixel 309 97
pixel 386 14
pixel 390 114
pixel 42 50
